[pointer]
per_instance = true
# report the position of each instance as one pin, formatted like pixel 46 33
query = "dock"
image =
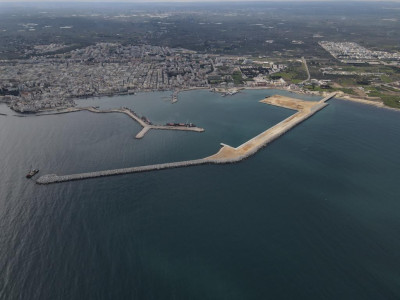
pixel 227 154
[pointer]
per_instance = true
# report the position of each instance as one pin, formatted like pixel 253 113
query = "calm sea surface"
pixel 315 215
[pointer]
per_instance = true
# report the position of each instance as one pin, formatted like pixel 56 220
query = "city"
pixel 350 52
pixel 52 81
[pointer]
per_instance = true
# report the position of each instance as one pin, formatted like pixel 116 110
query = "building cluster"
pixel 349 52
pixel 103 69
pixel 44 49
pixel 332 71
pixel 50 81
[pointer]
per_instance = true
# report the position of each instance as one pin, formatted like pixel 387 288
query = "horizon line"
pixel 181 1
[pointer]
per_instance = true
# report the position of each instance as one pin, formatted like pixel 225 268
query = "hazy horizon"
pixel 186 1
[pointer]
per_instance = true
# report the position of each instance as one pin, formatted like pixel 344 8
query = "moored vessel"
pixel 32 173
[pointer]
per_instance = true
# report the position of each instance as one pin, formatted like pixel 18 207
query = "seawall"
pixel 53 178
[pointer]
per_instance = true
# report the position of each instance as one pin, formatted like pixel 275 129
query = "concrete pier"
pixel 226 154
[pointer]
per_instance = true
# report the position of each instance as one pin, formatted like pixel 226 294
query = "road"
pixel 308 72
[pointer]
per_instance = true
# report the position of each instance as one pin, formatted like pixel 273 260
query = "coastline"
pixel 339 96
pixel 367 102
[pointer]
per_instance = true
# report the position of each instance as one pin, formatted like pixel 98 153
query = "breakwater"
pixel 226 154
pixel 144 122
pixel 305 110
pixel 53 178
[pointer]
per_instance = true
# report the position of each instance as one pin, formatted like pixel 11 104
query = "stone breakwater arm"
pixel 306 109
pixel 160 127
pixel 53 178
pixel 228 154
pixel 328 97
pixel 142 132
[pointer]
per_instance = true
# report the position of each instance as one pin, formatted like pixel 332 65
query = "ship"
pixel 32 173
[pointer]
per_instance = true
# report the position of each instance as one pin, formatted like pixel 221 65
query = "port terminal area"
pixel 227 154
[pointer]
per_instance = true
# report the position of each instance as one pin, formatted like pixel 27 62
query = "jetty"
pixel 143 121
pixel 227 154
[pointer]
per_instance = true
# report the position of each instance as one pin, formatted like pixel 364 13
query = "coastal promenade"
pixel 128 112
pixel 226 154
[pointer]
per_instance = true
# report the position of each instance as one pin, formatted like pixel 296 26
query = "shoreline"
pixel 339 96
pixel 367 102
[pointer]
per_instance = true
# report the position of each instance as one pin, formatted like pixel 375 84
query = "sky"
pixel 183 1
pixel 54 1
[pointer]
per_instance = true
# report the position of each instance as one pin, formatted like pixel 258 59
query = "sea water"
pixel 315 215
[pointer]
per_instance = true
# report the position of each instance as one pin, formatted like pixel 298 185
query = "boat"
pixel 32 173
